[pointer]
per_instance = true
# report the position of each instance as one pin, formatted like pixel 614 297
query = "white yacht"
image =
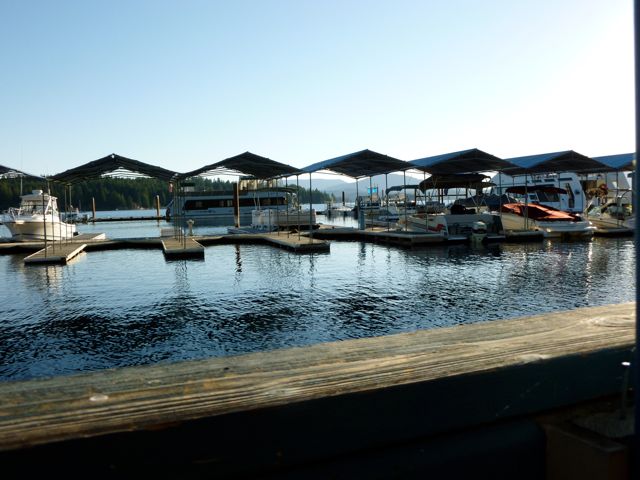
pixel 37 218
pixel 220 204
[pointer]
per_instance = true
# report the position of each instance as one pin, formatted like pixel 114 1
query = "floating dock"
pixel 480 400
pixel 56 254
pixel 410 239
pixel 124 219
pixel 180 248
pixel 302 243
pixel 62 252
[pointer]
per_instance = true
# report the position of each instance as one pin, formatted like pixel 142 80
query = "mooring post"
pixel 236 203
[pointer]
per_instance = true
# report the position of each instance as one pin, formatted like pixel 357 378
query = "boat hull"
pixel 549 229
pixel 33 229
pixel 607 223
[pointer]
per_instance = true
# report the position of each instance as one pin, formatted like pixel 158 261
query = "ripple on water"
pixel 131 307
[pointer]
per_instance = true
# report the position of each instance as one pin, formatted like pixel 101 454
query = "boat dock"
pixel 180 248
pixel 62 252
pixel 410 239
pixel 316 241
pixel 125 219
pixel 526 395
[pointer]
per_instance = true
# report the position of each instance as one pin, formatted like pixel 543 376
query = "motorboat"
pixel 614 216
pixel 273 220
pixel 458 224
pixel 37 218
pixel 75 216
pixel 550 221
pixel 220 204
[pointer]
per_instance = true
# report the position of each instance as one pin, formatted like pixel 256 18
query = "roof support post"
pixel 404 181
pixel 636 197
pixel 310 209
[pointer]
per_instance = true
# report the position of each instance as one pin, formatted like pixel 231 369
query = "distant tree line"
pixel 119 193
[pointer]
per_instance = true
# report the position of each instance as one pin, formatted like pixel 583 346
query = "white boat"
pixel 37 218
pixel 75 216
pixel 614 216
pixel 550 221
pixel 272 220
pixel 220 204
pixel 564 191
pixel 461 224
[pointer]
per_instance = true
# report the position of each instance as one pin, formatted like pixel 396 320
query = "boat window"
pixel 572 198
pixel 548 196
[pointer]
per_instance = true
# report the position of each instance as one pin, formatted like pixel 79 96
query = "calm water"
pixel 130 307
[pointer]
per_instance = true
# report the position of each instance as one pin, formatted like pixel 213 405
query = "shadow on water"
pixel 118 308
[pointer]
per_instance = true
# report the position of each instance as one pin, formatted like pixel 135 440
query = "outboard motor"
pixel 478 232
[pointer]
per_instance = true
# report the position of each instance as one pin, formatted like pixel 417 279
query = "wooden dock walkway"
pixel 184 247
pixel 61 252
pixel 297 243
pixel 410 239
pixel 55 254
pixel 312 404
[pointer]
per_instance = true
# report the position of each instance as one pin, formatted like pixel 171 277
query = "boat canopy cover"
pixel 567 161
pixel 399 188
pixel 8 172
pixel 364 163
pixel 536 211
pixel 114 165
pixel 475 181
pixel 622 161
pixel 246 163
pixel 465 161
pixel 522 189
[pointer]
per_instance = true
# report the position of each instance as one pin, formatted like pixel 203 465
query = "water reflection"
pixel 124 307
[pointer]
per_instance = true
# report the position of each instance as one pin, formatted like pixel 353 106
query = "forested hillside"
pixel 117 193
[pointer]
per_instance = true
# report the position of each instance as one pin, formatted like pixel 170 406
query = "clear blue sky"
pixel 186 83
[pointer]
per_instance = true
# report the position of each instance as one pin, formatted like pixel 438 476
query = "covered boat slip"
pixel 485 399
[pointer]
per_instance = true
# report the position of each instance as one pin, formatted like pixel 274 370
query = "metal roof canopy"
pixel 622 161
pixel 8 172
pixel 246 163
pixel 365 163
pixel 464 161
pixel 113 164
pixel 460 180
pixel 567 161
pixel 399 188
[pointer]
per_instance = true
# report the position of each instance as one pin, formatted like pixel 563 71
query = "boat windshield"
pixel 36 206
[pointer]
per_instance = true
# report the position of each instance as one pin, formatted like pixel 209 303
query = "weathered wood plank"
pixel 59 253
pixel 185 247
pixel 136 398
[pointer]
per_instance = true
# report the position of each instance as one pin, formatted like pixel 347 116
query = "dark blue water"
pixel 131 307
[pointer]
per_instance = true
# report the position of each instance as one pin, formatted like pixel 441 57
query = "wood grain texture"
pixel 129 399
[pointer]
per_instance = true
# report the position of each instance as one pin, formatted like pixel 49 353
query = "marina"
pixel 284 240
pixel 436 322
pixel 244 295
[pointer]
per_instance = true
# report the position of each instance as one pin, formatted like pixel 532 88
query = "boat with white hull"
pixel 36 219
pixel 221 204
pixel 613 217
pixel 550 221
pixel 462 226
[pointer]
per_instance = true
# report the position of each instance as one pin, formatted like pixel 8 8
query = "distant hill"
pixel 337 186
